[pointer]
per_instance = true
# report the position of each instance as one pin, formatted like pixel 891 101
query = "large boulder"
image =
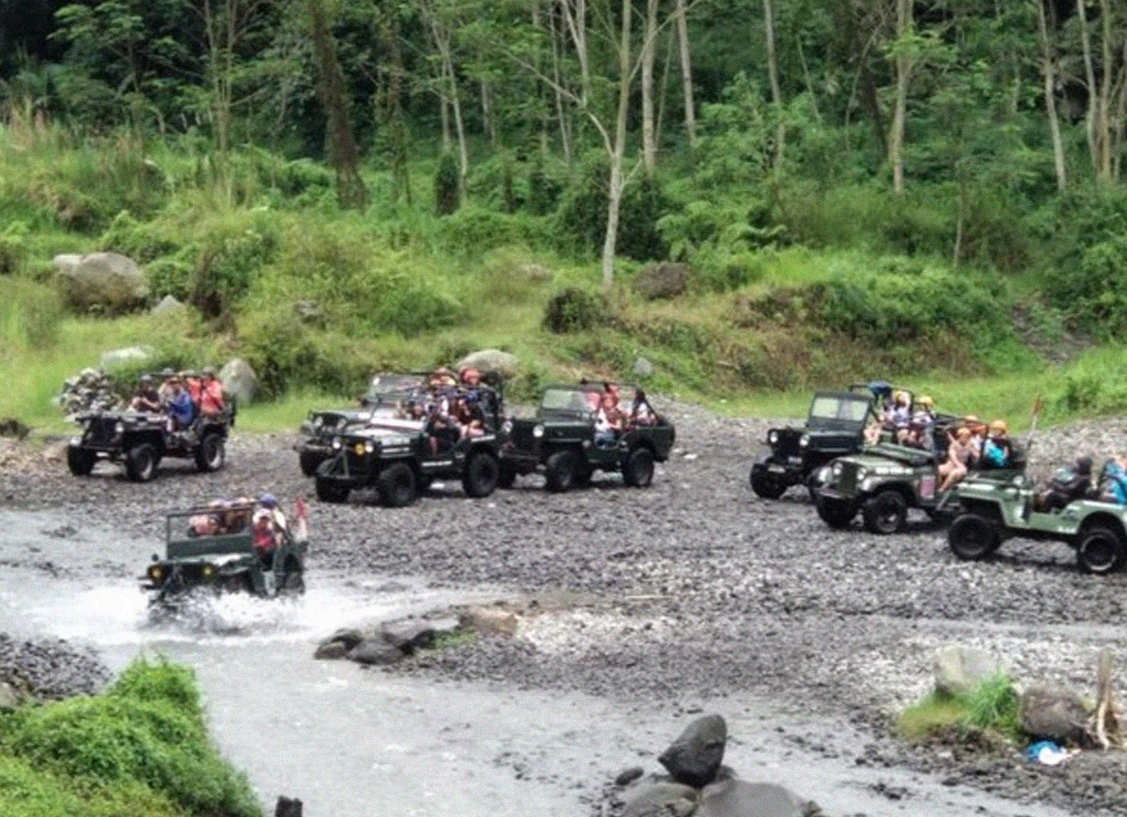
pixel 694 757
pixel 665 280
pixel 663 800
pixel 491 361
pixel 168 305
pixel 959 669
pixel 239 380
pixel 738 798
pixel 102 281
pixel 117 357
pixel 1052 713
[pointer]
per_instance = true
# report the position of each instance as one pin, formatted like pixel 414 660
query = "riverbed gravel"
pixel 692 589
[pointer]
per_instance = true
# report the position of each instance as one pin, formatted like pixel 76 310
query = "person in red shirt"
pixel 211 394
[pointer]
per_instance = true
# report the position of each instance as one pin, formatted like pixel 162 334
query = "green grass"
pixel 991 707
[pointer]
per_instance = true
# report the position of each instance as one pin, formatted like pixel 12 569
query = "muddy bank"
pixel 694 590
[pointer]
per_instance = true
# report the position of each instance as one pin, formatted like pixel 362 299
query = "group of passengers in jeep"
pixel 451 408
pixel 1078 482
pixel 184 398
pixel 262 517
pixel 611 420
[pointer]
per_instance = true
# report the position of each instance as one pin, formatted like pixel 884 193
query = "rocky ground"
pixel 695 588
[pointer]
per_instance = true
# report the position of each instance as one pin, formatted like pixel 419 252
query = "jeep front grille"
pixel 100 431
pixel 848 481
pixel 522 438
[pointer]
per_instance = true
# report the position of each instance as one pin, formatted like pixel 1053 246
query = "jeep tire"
pixel 141 462
pixel 481 475
pixel 885 513
pixel 396 485
pixel 766 484
pixel 1100 551
pixel 836 513
pixel 638 471
pixel 80 461
pixel 210 452
pixel 973 537
pixel 561 470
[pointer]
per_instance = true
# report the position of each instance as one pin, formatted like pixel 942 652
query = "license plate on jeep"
pixel 776 469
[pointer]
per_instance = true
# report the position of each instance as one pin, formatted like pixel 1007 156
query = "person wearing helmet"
pixel 997 451
pixel 268 503
pixel 1067 484
pixel 211 394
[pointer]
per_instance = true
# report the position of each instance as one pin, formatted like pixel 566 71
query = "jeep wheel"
pixel 309 460
pixel 481 474
pixel 396 485
pixel 141 462
pixel 210 453
pixel 80 461
pixel 885 513
pixel 972 537
pixel 506 476
pixel 638 472
pixel 765 484
pixel 292 584
pixel 836 513
pixel 560 471
pixel 1101 551
pixel 330 492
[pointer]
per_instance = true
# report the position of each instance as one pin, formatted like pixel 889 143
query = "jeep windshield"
pixel 572 401
pixel 391 389
pixel 838 411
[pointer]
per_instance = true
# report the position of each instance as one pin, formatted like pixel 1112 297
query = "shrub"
pixel 575 310
pixel 30 314
pixel 473 228
pixel 13 249
pixel 1094 293
pixel 446 185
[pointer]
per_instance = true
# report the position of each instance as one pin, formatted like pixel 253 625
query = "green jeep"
pixel 886 479
pixel 560 440
pixel 223 562
pixel 993 511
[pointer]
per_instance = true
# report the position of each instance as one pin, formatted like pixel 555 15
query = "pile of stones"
pixel 47 669
pixel 699 785
pixel 90 390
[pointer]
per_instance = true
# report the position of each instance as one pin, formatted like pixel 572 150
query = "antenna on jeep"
pixel 1035 414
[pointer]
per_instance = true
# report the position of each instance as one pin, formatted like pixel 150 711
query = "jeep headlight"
pixel 119 427
pixel 155 573
pixel 836 469
pixel 538 431
pixel 862 472
pixel 804 440
pixel 369 446
pixel 507 427
pixel 772 437
pixel 206 571
pixel 335 444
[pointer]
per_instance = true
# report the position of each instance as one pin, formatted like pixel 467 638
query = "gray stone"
pixel 1053 713
pixel 240 381
pixel 959 669
pixel 8 697
pixel 695 756
pixel 408 635
pixel 666 280
pixel 168 305
pixel 489 621
pixel 331 650
pixel 103 281
pixel 287 807
pixel 628 776
pixel 130 354
pixel 643 368
pixel 663 800
pixel 375 652
pixel 491 361
pixel 739 798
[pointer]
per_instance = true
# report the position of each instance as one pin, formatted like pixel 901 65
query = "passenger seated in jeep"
pixel 641 412
pixel 210 399
pixel 997 450
pixel 921 426
pixel 1067 485
pixel 608 420
pixel 1113 481
pixel 954 468
pixel 470 417
pixel 264 538
pixel 146 397
pixel 442 427
pixel 180 410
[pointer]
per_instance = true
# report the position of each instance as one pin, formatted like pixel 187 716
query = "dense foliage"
pixel 140 749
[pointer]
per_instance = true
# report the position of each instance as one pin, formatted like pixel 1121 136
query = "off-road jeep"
pixel 560 440
pixel 993 511
pixel 223 562
pixel 141 440
pixel 397 454
pixel 886 479
pixel 385 393
pixel 834 427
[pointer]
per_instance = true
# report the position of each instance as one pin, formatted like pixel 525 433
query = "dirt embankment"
pixel 695 588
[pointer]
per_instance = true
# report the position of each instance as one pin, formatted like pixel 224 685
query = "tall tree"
pixel 902 59
pixel 773 76
pixel 680 20
pixel 1049 74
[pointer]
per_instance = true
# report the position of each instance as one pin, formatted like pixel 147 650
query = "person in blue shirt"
pixel 181 412
pixel 997 450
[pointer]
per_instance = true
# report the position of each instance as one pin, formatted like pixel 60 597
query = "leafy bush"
pixel 473 228
pixel 141 241
pixel 145 732
pixel 1094 293
pixel 575 310
pixel 446 185
pixel 30 314
pixel 13 249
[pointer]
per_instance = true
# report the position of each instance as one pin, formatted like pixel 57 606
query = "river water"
pixel 354 743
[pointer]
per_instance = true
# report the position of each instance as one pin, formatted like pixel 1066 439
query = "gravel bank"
pixel 695 588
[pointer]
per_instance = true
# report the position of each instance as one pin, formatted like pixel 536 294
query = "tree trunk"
pixel 618 149
pixel 903 75
pixel 773 75
pixel 649 37
pixel 343 155
pixel 686 70
pixel 1048 70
